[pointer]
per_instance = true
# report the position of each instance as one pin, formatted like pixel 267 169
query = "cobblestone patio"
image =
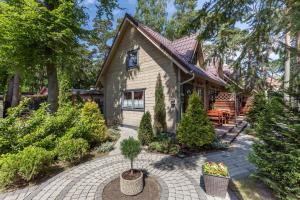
pixel 178 178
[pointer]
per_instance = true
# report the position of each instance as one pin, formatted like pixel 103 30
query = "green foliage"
pixel 33 160
pixel 31 140
pixel 276 153
pixel 164 146
pixel 8 169
pixel 105 147
pixel 258 106
pixel 145 132
pixel 64 87
pixel 71 150
pixel 130 149
pixel 91 125
pixel 26 164
pixel 195 129
pixel 164 143
pixel 185 13
pixel 218 144
pixel 113 134
pixel 217 169
pixel 56 125
pixel 160 123
pixel 152 13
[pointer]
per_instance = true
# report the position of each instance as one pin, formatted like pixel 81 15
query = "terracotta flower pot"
pixel 216 185
pixel 131 187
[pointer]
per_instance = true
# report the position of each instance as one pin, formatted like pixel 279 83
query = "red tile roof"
pixel 181 50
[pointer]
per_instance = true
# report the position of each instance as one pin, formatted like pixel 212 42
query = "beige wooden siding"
pixel 117 79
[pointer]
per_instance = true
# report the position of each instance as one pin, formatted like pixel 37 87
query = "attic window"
pixel 132 60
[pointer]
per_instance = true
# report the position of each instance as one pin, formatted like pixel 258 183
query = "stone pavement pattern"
pixel 178 178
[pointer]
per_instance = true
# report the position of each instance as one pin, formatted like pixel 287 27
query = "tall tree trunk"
pixel 8 96
pixel 52 87
pixel 297 70
pixel 287 69
pixel 16 90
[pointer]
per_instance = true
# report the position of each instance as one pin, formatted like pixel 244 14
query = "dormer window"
pixel 132 60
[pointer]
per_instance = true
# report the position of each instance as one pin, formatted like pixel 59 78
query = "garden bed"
pixel 151 191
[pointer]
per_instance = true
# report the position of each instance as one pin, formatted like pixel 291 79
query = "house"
pixel 129 74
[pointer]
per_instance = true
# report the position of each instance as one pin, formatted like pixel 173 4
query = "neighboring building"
pixel 89 95
pixel 138 54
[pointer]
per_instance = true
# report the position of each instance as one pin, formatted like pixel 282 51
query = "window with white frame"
pixel 133 100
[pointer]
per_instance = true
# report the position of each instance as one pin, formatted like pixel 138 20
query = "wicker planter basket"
pixel 216 185
pixel 131 187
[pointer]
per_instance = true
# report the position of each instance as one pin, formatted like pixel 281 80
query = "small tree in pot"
pixel 131 182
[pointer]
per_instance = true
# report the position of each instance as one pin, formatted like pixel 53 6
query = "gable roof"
pixel 181 50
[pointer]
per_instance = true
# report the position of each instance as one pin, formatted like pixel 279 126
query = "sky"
pixel 128 7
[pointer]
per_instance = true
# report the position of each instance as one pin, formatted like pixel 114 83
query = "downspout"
pixel 186 81
pixel 180 84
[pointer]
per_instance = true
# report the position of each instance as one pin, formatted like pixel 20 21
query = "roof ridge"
pixel 184 37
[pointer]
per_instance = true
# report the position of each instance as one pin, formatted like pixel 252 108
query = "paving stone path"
pixel 178 178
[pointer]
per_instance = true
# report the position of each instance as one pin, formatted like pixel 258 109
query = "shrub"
pixel 56 124
pixel 216 169
pixel 195 129
pixel 159 108
pixel 8 169
pixel 218 144
pixel 113 134
pixel 33 160
pixel 130 149
pixel 276 153
pixel 258 106
pixel 93 123
pixel 11 126
pixel 165 146
pixel 72 150
pixel 105 147
pixel 145 132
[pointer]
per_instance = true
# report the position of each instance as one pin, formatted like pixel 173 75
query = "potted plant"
pixel 216 178
pixel 131 181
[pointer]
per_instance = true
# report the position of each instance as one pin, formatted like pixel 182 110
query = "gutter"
pixel 186 81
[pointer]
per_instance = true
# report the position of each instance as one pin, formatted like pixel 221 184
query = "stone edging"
pixel 164 190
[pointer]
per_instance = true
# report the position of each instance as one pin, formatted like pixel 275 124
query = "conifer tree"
pixel 160 123
pixel 258 106
pixel 276 153
pixel 145 132
pixel 195 129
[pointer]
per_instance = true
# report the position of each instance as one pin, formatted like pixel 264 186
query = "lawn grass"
pixel 249 188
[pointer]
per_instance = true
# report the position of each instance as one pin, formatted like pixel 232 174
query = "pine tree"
pixel 195 129
pixel 277 153
pixel 103 29
pixel 258 106
pixel 145 132
pixel 152 13
pixel 185 13
pixel 160 123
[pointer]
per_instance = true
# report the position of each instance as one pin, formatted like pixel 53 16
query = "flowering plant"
pixel 217 169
